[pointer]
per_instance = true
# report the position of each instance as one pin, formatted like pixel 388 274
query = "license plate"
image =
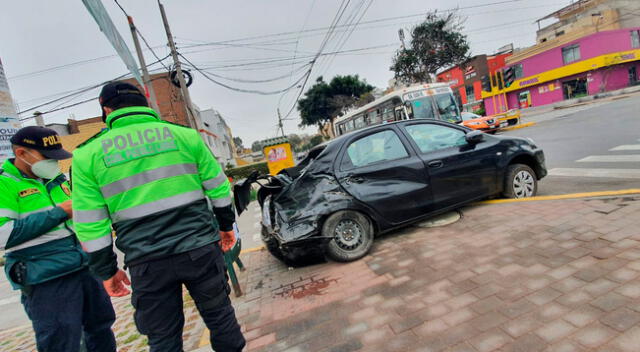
pixel 266 218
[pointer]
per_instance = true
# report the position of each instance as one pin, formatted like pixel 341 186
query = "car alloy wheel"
pixel 523 184
pixel 348 234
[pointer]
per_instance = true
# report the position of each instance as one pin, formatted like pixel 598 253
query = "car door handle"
pixel 435 164
pixel 355 179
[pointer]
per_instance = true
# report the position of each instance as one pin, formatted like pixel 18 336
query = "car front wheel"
pixel 351 233
pixel 520 182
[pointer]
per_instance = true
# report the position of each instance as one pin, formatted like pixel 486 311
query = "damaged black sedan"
pixel 368 182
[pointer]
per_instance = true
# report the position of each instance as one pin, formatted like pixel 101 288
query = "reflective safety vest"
pixel 33 230
pixel 155 183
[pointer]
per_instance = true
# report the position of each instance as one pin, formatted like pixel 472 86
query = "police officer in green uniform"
pixel 43 256
pixel 160 188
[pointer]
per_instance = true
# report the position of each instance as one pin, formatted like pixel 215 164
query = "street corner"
pixel 128 339
pixel 518 126
pixel 538 274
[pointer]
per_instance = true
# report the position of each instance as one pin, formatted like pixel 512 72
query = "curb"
pixel 517 127
pixel 254 249
pixel 565 196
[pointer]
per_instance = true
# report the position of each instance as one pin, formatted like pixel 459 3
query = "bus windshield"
pixel 447 108
pixel 423 108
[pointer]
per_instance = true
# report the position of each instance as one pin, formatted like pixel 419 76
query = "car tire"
pixel 520 182
pixel 351 233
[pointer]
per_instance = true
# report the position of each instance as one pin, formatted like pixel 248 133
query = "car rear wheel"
pixel 520 182
pixel 352 235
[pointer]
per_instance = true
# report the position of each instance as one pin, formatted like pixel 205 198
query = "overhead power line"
pixel 252 91
pixel 79 91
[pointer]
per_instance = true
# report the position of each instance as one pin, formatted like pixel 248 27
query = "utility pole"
pixel 148 86
pixel 280 127
pixel 183 85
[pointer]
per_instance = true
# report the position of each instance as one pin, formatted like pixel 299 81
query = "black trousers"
pixel 157 298
pixel 62 309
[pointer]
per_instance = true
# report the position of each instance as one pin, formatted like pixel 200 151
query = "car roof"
pixel 403 122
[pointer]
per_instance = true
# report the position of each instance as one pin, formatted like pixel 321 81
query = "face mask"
pixel 47 168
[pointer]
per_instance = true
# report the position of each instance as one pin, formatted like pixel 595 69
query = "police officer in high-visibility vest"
pixel 160 188
pixel 43 256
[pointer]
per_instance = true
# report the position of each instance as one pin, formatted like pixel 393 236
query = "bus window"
pixel 359 122
pixel 388 114
pixel 349 125
pixel 447 108
pixel 400 114
pixel 341 129
pixel 374 117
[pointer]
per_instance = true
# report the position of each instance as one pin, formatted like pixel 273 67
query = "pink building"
pixel 592 64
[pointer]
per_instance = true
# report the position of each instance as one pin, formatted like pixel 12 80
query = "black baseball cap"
pixel 120 89
pixel 42 139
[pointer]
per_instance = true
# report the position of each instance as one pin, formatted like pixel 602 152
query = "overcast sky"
pixel 38 35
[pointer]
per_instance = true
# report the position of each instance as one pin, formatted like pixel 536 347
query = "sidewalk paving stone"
pixel 534 276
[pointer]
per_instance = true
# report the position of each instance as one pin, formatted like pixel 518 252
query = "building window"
pixel 571 53
pixel 517 71
pixel 635 39
pixel 471 95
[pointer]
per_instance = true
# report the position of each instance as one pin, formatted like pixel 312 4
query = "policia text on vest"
pixel 158 186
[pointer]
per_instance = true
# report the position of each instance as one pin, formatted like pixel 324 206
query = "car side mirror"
pixel 474 137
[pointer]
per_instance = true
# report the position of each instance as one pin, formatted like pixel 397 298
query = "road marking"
pixel 565 196
pixel 631 158
pixel 626 147
pixel 610 173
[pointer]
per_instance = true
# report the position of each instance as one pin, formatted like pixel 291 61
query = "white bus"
pixel 424 101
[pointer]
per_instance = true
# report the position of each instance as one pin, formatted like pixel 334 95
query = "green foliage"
pixel 436 43
pixel 323 102
pixel 480 111
pixel 256 146
pixel 239 173
pixel 238 142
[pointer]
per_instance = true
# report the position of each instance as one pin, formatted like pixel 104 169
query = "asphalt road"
pixel 589 148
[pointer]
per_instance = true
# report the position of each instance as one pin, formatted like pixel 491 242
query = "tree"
pixel 436 43
pixel 324 102
pixel 238 142
pixel 295 141
pixel 256 146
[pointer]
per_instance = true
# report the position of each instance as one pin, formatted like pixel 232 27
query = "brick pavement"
pixel 535 276
pixel 128 339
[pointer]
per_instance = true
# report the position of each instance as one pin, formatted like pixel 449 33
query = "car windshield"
pixel 447 108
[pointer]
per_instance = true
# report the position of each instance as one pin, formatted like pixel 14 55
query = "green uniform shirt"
pixel 34 230
pixel 155 183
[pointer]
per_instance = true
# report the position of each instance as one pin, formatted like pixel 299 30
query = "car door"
pixel 459 171
pixel 380 170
